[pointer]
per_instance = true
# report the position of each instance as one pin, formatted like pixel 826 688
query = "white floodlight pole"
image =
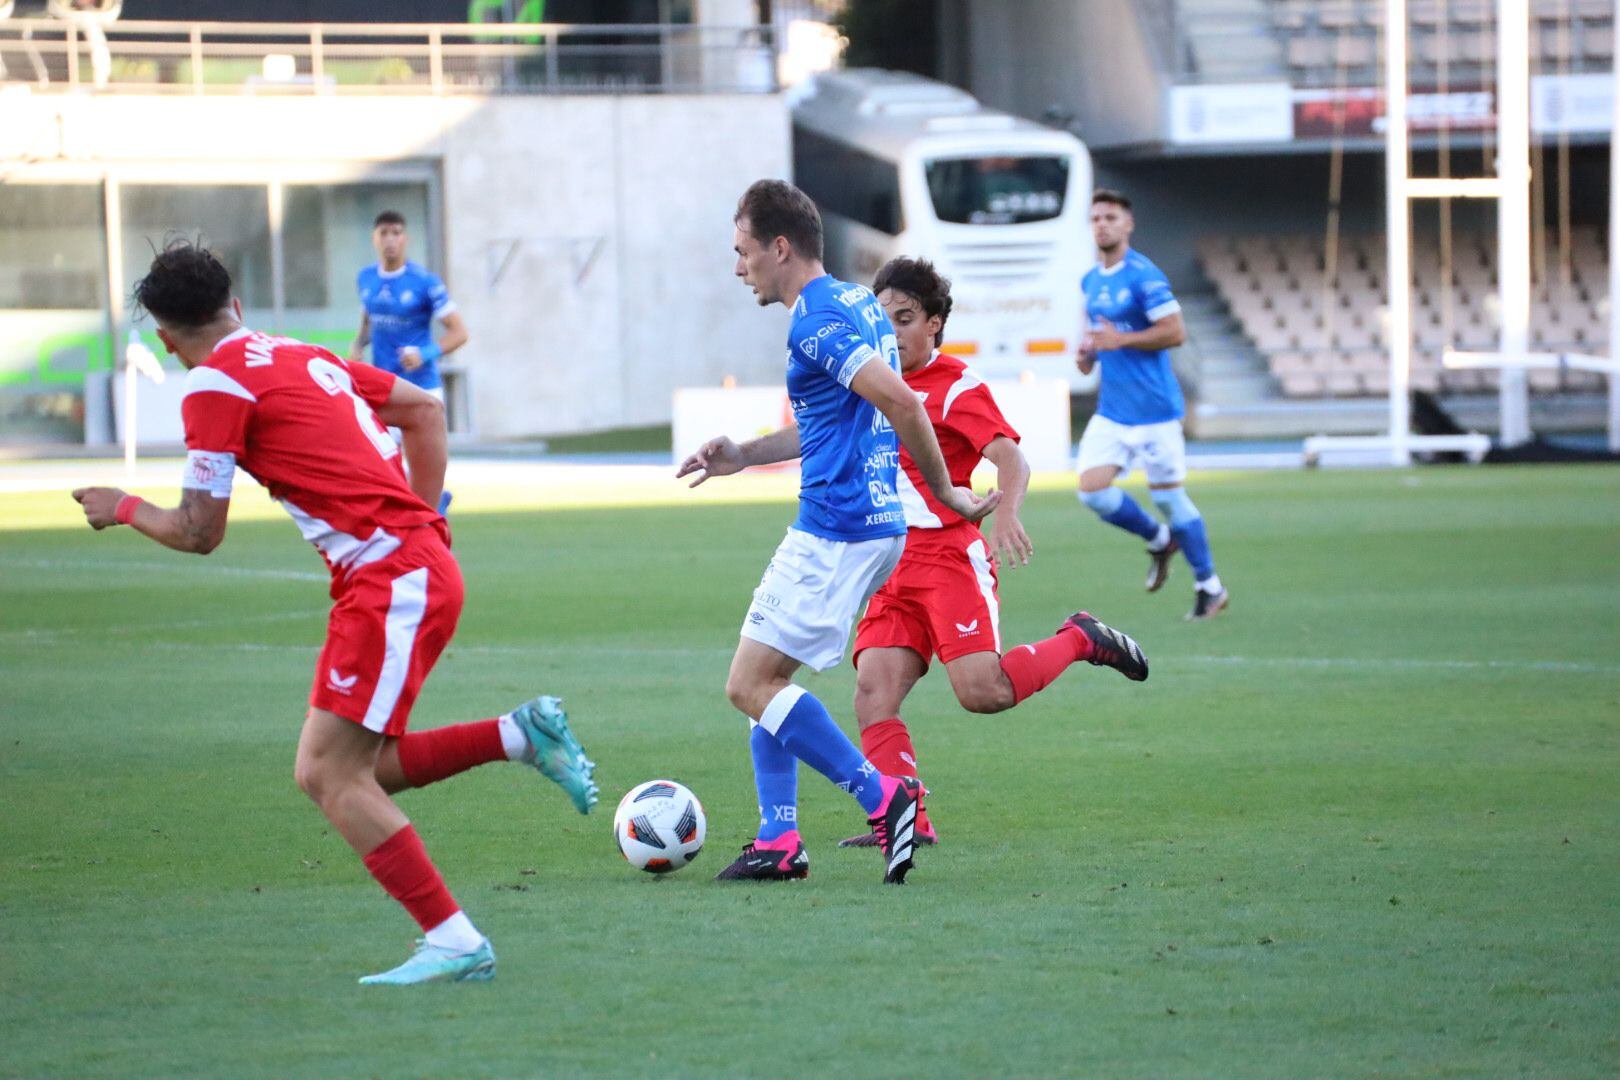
pixel 1614 262
pixel 1513 211
pixel 1398 239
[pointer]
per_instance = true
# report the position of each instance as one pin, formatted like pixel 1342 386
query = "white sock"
pixel 456 934
pixel 1211 584
pixel 1158 542
pixel 512 738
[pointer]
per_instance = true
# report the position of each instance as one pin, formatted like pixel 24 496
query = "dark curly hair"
pixel 917 278
pixel 185 286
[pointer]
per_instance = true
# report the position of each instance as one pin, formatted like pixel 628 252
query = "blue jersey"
pixel 402 305
pixel 1138 387
pixel 849 452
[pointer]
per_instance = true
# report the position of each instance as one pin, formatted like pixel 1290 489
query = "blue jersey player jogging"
pixel 1133 319
pixel 402 306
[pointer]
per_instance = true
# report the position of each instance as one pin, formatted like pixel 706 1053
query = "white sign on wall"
pixel 1234 113
pixel 1572 104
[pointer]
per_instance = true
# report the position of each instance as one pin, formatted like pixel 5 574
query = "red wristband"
pixel 124 512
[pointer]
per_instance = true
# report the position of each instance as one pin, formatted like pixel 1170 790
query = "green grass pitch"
pixel 1365 824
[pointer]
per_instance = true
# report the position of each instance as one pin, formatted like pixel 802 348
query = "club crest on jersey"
pixel 810 347
pixel 407 296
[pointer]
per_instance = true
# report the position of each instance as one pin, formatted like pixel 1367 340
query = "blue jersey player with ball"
pixel 849 404
pixel 1134 322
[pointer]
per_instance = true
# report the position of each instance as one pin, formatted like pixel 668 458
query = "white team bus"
pixel 902 165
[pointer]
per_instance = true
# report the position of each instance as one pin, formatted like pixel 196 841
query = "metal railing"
pixel 416 58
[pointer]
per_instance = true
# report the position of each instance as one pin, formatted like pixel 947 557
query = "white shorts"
pixel 1159 450
pixel 812 591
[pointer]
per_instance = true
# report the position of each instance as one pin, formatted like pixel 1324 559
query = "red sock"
pixel 428 756
pixel 887 744
pixel 401 865
pixel 1032 668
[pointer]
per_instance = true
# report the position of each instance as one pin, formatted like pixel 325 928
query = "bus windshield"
pixel 998 190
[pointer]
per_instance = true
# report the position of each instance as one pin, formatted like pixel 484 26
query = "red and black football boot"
pixel 895 825
pixel 782 859
pixel 1110 647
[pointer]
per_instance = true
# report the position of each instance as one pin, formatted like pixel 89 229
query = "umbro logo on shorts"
pixel 966 629
pixel 339 683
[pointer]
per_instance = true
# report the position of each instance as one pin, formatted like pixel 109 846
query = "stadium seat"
pixel 1328 335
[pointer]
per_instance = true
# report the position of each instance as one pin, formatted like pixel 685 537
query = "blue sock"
pixel 1187 526
pixel 803 725
pixel 1120 510
pixel 776 778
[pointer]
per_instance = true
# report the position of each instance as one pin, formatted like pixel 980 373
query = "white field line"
pixel 1407 664
pixel 1306 663
pixel 33 636
pixel 194 566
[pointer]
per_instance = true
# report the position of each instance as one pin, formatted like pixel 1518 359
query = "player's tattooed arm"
pixel 197 525
pixel 1008 540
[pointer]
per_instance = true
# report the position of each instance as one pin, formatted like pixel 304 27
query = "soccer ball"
pixel 659 826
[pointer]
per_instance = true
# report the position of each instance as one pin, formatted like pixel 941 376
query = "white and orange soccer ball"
pixel 659 826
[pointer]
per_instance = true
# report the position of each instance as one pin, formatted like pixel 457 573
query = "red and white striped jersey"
pixel 300 421
pixel 966 419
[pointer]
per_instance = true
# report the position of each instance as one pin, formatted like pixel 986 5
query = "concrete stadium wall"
pixel 1090 58
pixel 587 239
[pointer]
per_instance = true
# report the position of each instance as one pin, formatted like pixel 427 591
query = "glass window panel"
pixel 998 190
pixel 326 232
pixel 53 322
pixel 231 221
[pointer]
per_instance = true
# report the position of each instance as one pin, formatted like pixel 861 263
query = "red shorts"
pixel 940 601
pixel 391 621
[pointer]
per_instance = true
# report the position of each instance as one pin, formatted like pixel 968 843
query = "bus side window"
pixel 846 181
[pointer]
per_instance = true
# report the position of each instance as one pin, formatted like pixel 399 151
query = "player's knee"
pixel 1174 504
pixel 311 778
pixel 742 693
pixel 873 703
pixel 1103 502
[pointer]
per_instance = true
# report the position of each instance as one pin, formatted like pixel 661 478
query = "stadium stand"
pixel 1323 334
pixel 1326 41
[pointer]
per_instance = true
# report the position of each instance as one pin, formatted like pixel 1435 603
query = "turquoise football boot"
pixel 431 964
pixel 554 750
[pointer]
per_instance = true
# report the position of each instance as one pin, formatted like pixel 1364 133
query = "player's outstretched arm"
pixel 1166 333
pixel 878 383
pixel 455 333
pixel 722 456
pixel 1008 540
pixel 420 418
pixel 197 525
pixel 357 351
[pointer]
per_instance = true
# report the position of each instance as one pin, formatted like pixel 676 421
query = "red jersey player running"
pixel 941 599
pixel 311 428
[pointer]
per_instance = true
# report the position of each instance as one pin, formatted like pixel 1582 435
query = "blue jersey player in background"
pixel 399 301
pixel 1133 322
pixel 849 404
